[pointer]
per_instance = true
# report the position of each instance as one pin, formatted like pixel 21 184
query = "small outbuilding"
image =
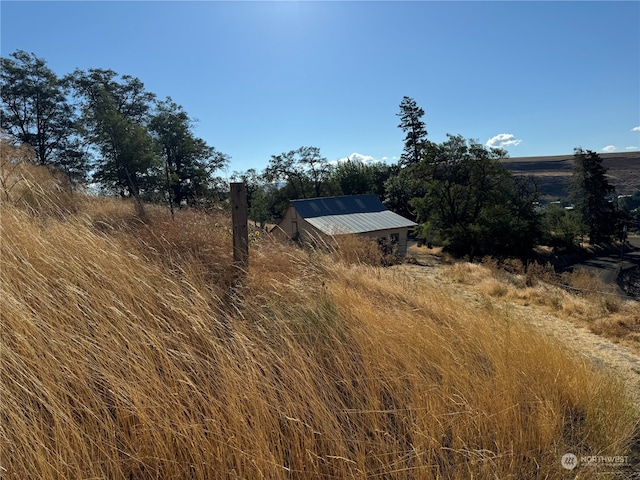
pixel 315 218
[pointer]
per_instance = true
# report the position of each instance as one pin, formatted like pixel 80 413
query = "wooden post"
pixel 239 220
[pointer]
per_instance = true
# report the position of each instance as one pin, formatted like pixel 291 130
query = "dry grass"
pixel 355 249
pixel 34 188
pixel 580 296
pixel 128 352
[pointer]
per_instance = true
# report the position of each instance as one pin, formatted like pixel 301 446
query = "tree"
pixel 317 167
pixel 304 170
pixel 189 163
pixel 36 111
pixel 590 191
pixel 562 227
pixel 356 178
pixel 628 203
pixel 114 115
pixel 381 173
pixel 399 190
pixel 258 195
pixel 472 203
pixel 411 123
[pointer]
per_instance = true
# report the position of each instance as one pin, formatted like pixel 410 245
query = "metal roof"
pixel 349 214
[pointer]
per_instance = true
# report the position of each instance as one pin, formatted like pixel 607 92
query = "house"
pixel 314 218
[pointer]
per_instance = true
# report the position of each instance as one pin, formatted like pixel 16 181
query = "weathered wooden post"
pixel 239 220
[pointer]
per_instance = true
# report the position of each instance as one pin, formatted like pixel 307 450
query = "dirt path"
pixel 613 358
pixel 606 355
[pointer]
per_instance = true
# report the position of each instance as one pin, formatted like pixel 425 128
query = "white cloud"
pixel 362 158
pixel 635 129
pixel 631 148
pixel 357 157
pixel 503 140
pixel 609 148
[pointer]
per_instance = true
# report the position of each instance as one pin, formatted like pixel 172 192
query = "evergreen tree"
pixel 590 191
pixel 411 123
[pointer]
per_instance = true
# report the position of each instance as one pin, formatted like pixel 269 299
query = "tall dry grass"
pixel 127 352
pixel 580 295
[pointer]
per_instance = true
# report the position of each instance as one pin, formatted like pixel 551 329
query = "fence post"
pixel 239 220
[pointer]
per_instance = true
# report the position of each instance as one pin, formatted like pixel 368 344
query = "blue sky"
pixel 262 78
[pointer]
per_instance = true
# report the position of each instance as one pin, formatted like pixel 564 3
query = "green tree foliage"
pixel 407 180
pixel 303 173
pixel 188 162
pixel 629 206
pixel 99 121
pixel 411 123
pixel 356 178
pixel 306 173
pixel 473 204
pixel 114 118
pixel 35 110
pixel 562 228
pixel 400 189
pixel 260 195
pixel 629 203
pixel 590 191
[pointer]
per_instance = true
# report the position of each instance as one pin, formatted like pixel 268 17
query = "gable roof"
pixel 349 214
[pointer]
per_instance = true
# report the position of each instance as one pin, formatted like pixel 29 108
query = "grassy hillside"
pixel 554 173
pixel 131 348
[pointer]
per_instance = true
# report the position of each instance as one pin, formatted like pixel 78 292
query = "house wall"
pixel 294 226
pixel 400 247
pixel 286 224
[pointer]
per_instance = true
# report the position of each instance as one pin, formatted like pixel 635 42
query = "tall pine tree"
pixel 590 192
pixel 411 123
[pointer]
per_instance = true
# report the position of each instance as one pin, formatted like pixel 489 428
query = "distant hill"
pixel 553 173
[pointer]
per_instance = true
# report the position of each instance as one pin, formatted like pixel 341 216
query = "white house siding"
pixel 294 226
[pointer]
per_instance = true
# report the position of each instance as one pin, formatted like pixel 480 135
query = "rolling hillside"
pixel 133 349
pixel 553 173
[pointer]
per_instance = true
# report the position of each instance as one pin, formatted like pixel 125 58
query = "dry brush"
pixel 128 352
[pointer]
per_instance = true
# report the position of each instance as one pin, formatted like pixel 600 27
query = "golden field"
pixel 133 349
